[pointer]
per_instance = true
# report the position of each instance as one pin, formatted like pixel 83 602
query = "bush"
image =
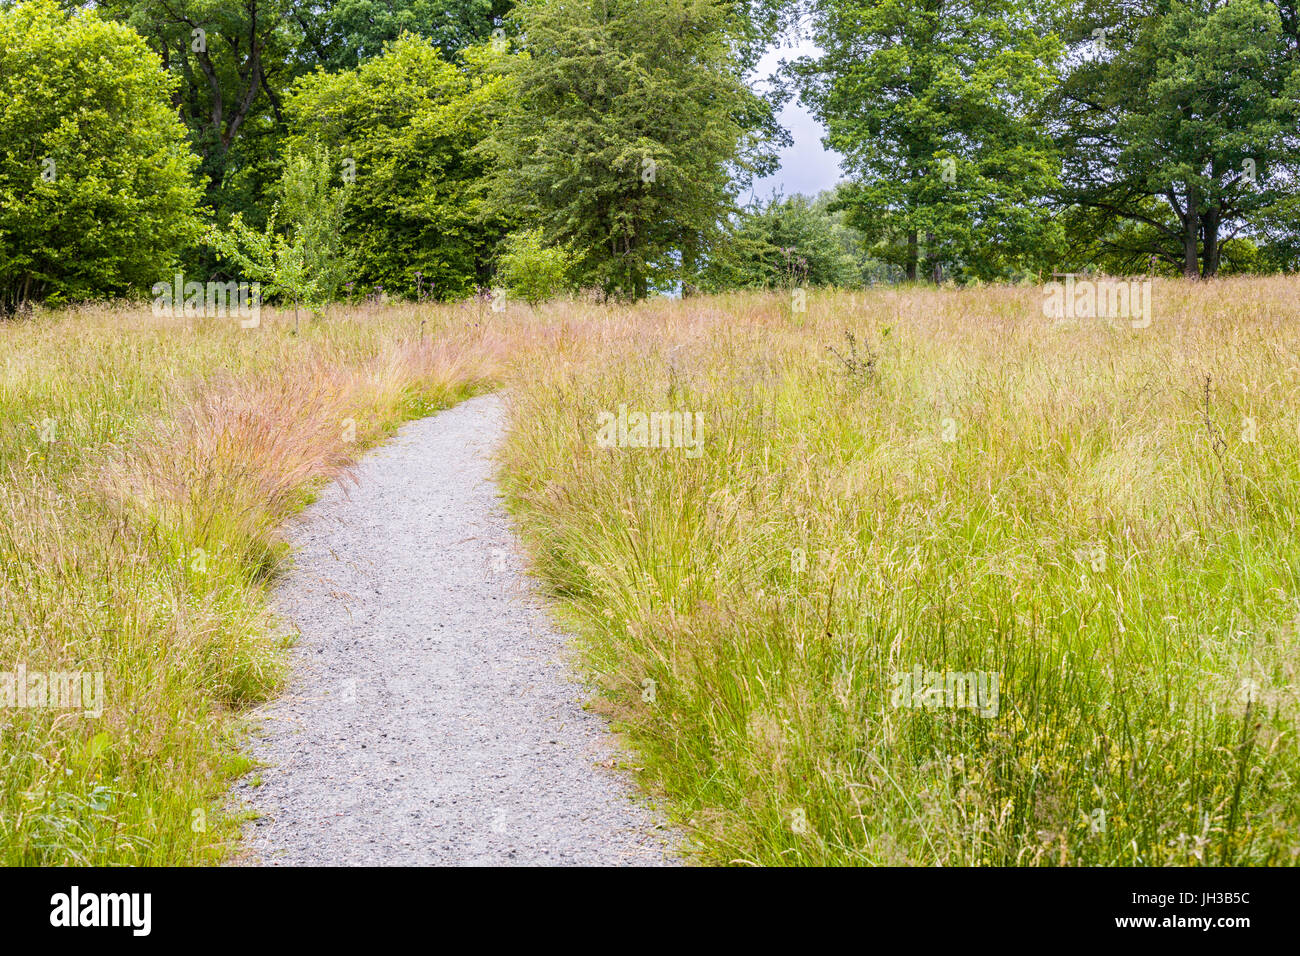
pixel 96 194
pixel 533 271
pixel 786 242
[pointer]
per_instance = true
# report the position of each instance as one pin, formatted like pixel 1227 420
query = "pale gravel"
pixel 432 716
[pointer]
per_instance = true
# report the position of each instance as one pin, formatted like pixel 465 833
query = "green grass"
pixel 1131 579
pixel 1111 540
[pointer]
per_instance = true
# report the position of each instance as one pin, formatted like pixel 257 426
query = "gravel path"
pixel 431 717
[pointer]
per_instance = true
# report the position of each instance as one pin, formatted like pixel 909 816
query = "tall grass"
pixel 1102 516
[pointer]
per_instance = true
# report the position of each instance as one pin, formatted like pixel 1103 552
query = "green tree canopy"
pixel 1178 127
pixel 532 270
pixel 629 119
pixel 405 125
pixel 233 60
pixel 934 106
pixel 341 34
pixel 96 177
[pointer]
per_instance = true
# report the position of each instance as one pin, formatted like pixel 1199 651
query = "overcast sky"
pixel 806 166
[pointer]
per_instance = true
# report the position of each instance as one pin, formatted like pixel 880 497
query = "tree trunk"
pixel 688 268
pixel 911 256
pixel 1191 232
pixel 936 264
pixel 1210 232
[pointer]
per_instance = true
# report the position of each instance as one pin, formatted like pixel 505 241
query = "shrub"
pixel 306 262
pixel 532 270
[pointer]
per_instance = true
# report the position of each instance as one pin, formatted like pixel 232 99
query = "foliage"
pixel 627 120
pixel 1178 128
pixel 982 139
pixel 785 242
pixel 306 263
pixel 406 123
pixel 934 107
pixel 343 34
pixel 532 270
pixel 232 60
pixel 96 187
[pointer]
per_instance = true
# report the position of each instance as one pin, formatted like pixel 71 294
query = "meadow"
pixel 1096 518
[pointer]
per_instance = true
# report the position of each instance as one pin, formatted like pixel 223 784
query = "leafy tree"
pixel 314 206
pixel 933 104
pixel 236 59
pixel 233 59
pixel 306 262
pixel 866 270
pixel 532 270
pixel 96 195
pixel 629 119
pixel 406 124
pixel 1277 230
pixel 342 34
pixel 786 242
pixel 1178 124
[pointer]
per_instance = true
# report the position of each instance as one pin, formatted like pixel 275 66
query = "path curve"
pixel 431 716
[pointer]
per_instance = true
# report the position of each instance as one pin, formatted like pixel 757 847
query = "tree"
pixel 236 59
pixel 787 242
pixel 306 262
pixel 1178 124
pixel 233 58
pixel 629 119
pixel 342 34
pixel 933 104
pixel 405 124
pixel 96 196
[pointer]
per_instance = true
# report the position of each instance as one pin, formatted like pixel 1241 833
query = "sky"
pixel 806 166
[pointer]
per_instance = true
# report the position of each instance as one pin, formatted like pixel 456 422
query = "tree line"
pixel 436 148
